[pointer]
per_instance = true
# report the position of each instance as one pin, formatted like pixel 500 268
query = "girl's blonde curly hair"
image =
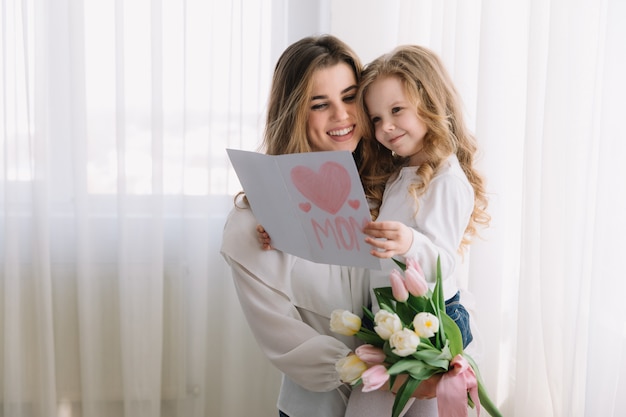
pixel 437 103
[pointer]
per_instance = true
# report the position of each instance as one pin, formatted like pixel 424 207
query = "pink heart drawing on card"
pixel 328 188
pixel 355 204
pixel 305 207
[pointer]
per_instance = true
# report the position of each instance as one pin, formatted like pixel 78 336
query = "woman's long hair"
pixel 289 101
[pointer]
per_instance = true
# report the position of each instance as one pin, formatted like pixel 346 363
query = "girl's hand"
pixel 388 238
pixel 264 238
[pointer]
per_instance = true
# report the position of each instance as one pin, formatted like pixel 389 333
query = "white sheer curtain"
pixel 114 185
pixel 543 86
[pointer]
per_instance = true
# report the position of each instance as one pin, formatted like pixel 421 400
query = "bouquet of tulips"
pixel 412 336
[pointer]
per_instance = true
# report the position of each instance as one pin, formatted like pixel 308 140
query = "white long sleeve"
pixel 287 302
pixel 439 225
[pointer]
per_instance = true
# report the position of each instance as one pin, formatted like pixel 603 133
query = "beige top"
pixel 287 302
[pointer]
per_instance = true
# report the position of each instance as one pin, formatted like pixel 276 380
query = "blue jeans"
pixel 459 314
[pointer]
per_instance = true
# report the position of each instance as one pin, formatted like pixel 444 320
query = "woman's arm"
pixel 263 283
pixel 294 347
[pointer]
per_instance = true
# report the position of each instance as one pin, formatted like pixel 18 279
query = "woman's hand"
pixel 388 238
pixel 426 390
pixel 264 238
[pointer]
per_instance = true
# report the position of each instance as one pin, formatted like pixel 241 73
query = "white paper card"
pixel 311 204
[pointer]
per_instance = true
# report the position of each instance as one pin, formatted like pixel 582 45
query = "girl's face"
pixel 332 110
pixel 397 126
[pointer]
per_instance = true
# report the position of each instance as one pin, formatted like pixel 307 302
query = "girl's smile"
pixel 397 125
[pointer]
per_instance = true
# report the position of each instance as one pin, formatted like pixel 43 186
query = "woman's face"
pixel 332 110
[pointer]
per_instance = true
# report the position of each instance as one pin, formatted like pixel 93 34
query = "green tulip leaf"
pixel 403 395
pixel 433 355
pixel 453 334
pixel 485 402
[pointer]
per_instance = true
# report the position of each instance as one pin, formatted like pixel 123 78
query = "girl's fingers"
pixel 382 248
pixel 380 233
pixel 377 243
pixel 381 254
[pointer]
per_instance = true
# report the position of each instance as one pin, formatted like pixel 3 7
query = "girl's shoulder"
pixel 450 163
pixel 449 170
pixel 450 175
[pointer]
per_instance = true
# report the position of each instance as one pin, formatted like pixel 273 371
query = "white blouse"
pixel 439 225
pixel 287 302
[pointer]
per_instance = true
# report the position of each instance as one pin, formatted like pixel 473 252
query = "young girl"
pixel 434 198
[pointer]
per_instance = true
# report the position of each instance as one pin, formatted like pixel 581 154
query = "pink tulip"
pixel 412 262
pixel 370 354
pixel 398 289
pixel 374 378
pixel 415 282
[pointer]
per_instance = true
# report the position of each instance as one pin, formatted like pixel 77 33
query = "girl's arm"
pixel 435 231
pixel 388 238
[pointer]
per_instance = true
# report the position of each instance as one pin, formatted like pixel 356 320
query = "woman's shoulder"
pixel 241 249
pixel 239 221
pixel 239 233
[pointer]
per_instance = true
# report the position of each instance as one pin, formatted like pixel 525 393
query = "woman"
pixel 286 300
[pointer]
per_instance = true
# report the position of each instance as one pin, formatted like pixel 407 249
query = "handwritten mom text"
pixel 328 189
